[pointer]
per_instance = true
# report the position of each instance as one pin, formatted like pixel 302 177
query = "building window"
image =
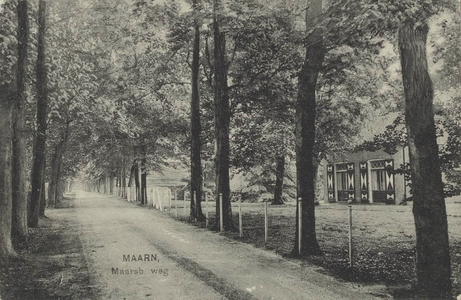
pixel 378 180
pixel 343 181
pixel 382 180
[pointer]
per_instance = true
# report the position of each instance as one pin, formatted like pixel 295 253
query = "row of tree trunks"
pixel 433 269
pixel 19 180
pixel 196 161
pixel 115 182
pixel 305 134
pixel 221 121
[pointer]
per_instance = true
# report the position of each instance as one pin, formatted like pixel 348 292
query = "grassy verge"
pixel 51 265
pixel 383 239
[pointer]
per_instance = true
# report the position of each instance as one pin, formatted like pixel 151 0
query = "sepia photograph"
pixel 230 149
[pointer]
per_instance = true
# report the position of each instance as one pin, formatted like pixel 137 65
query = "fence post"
pixel 176 203
pixel 300 224
pixel 221 223
pixel 350 236
pixel 206 210
pixel 240 216
pixel 266 223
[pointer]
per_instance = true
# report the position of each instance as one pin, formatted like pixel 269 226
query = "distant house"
pixel 369 176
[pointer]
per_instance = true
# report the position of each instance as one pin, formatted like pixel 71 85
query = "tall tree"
pixel 6 102
pixel 196 161
pixel 54 194
pixel 38 164
pixel 7 94
pixel 433 269
pixel 221 119
pixel 19 180
pixel 305 133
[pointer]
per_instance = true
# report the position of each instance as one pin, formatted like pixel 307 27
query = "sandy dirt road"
pixel 138 253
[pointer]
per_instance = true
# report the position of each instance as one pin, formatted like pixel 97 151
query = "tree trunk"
pixel 61 187
pixel 305 135
pixel 40 135
pixel 111 183
pixel 6 248
pixel 19 181
pixel 135 174
pixel 42 198
pixel 196 129
pixel 53 176
pixel 56 167
pixel 221 121
pixel 433 269
pixel 143 174
pixel 279 175
pixel 124 178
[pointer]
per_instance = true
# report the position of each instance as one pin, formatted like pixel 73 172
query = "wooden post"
pixel 221 223
pixel 300 224
pixel 350 236
pixel 240 216
pixel 176 203
pixel 266 223
pixel 206 210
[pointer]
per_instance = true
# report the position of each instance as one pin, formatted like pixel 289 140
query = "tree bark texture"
pixel 40 136
pixel 196 129
pixel 279 175
pixel 433 269
pixel 305 134
pixel 221 122
pixel 61 188
pixel 42 197
pixel 19 175
pixel 6 106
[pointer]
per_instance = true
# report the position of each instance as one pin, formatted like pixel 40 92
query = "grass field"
pixel 383 239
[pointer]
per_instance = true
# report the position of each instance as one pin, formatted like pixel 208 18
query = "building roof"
pixel 376 125
pixel 168 176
